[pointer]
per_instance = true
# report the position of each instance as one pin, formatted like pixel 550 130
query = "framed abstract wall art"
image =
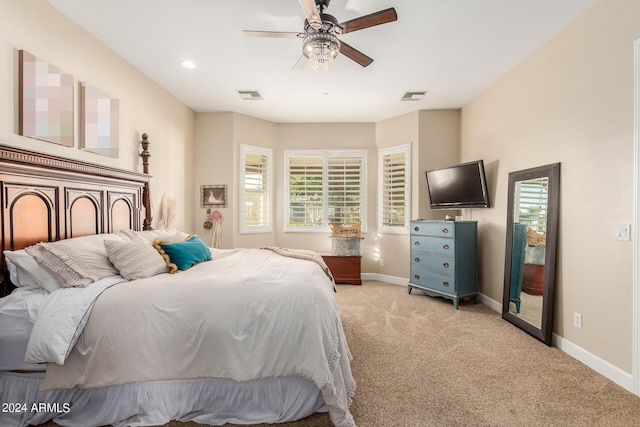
pixel 99 121
pixel 45 101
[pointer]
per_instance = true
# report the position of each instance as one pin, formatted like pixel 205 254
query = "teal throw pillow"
pixel 183 255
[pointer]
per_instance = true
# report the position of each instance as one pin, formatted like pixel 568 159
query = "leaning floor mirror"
pixel 530 258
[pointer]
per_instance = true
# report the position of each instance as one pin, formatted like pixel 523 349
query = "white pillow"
pixel 24 271
pixel 137 259
pixel 169 235
pixel 78 261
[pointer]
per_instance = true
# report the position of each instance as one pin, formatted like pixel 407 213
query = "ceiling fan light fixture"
pixel 320 48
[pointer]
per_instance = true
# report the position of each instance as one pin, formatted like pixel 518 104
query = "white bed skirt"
pixel 206 401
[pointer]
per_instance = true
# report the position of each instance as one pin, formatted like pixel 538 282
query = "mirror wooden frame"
pixel 552 171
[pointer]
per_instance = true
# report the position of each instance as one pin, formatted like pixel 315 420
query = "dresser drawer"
pixel 438 229
pixel 431 280
pixel 441 264
pixel 436 245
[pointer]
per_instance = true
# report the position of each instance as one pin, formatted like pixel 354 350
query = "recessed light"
pixel 413 96
pixel 188 64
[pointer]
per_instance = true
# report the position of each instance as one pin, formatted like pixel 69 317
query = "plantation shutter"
pixel 394 188
pixel 305 191
pixel 532 203
pixel 394 182
pixel 344 189
pixel 256 193
pixel 325 187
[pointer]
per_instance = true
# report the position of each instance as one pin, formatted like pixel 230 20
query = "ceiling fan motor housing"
pixel 329 25
pixel 320 41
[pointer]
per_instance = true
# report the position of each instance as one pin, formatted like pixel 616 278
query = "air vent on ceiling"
pixel 250 95
pixel 413 96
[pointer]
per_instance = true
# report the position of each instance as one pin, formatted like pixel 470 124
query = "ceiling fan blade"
pixel 371 20
pixel 273 34
pixel 355 54
pixel 301 64
pixel 311 12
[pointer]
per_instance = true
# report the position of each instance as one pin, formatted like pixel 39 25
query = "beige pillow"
pixel 166 234
pixel 137 259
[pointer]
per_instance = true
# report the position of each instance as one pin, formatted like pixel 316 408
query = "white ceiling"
pixel 453 49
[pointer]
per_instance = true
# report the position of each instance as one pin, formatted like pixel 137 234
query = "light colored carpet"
pixel 530 309
pixel 419 362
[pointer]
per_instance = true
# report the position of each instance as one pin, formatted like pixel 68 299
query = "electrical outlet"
pixel 381 262
pixel 577 320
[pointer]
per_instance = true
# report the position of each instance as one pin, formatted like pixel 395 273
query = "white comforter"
pixel 248 314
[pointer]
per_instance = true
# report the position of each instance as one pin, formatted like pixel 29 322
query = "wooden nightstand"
pixel 344 268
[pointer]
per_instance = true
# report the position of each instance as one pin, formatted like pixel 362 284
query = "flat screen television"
pixel 459 186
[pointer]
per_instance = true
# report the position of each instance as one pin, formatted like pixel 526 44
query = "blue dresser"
pixel 444 259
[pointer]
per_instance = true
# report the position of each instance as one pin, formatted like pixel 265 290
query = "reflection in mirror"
pixel 532 220
pixel 527 256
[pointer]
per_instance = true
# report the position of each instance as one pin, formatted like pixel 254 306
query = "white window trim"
pixel 246 229
pixel 325 154
pixel 406 149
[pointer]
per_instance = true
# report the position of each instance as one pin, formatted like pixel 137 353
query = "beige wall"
pixel 259 133
pixel 570 102
pixel 218 140
pixel 295 136
pixel 434 136
pixel 219 136
pixel 35 26
pixel 393 249
pixel 439 147
pixel 213 165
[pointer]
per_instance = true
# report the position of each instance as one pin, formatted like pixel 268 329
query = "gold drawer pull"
pixel 445 230
pixel 445 247
pixel 416 259
pixel 416 276
pixel 445 264
pixel 445 283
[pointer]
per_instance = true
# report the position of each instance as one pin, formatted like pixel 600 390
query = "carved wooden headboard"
pixel 50 198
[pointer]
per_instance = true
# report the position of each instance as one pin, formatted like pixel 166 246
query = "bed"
pixel 240 336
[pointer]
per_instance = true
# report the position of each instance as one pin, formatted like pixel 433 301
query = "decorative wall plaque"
pixel 99 120
pixel 45 101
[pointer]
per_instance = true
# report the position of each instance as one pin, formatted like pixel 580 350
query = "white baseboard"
pixel 604 368
pixel 491 303
pixel 385 278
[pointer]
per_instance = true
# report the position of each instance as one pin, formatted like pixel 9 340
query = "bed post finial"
pixel 146 194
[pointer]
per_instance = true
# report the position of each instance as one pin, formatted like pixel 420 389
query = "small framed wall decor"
pixel 213 196
pixel 99 129
pixel 45 98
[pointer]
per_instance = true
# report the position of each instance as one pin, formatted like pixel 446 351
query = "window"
pixel 531 203
pixel 394 187
pixel 325 187
pixel 256 182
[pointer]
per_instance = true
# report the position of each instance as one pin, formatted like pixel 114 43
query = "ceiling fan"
pixel 320 35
